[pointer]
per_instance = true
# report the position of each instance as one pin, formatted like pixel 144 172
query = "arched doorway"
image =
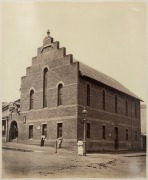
pixel 13 132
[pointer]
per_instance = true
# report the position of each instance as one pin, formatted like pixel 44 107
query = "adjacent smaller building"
pixel 10 111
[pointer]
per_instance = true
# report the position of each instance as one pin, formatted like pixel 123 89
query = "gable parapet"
pixel 56 45
pixel 39 50
pixel 59 53
pixel 23 77
pixel 47 40
pixel 28 70
pixel 34 60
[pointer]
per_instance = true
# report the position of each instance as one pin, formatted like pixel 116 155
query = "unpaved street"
pixel 64 164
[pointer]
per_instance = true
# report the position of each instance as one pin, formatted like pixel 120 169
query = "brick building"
pixel 55 90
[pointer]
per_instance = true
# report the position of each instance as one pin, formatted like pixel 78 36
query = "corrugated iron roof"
pixel 103 78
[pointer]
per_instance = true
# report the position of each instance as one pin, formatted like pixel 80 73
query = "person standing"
pixel 42 141
pixel 80 146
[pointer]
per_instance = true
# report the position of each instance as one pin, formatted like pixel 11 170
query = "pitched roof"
pixel 17 103
pixel 103 78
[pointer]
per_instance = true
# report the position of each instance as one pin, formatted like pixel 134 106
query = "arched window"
pixel 126 107
pixel 60 94
pixel 135 110
pixel 126 134
pixel 31 99
pixel 115 103
pixel 88 131
pixel 103 100
pixel 45 87
pixel 88 95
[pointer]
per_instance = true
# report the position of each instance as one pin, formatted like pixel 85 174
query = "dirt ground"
pixel 39 164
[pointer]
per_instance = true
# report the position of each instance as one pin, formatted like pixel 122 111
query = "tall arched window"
pixel 31 99
pixel 135 110
pixel 126 107
pixel 60 94
pixel 115 103
pixel 88 95
pixel 45 87
pixel 103 100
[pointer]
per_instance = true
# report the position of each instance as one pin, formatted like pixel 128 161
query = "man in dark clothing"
pixel 42 141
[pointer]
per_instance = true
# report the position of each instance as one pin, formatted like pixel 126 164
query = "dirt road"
pixel 70 165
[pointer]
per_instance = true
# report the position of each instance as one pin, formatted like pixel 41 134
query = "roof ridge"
pixel 105 79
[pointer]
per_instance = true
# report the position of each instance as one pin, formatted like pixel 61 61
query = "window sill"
pixel 60 105
pixel 31 110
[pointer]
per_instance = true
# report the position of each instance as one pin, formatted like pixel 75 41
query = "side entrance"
pixel 13 132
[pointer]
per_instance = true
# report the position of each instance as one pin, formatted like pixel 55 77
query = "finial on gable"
pixel 48 32
pixel 48 39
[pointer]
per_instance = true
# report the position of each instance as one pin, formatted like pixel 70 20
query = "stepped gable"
pixel 103 78
pixel 51 54
pixel 55 56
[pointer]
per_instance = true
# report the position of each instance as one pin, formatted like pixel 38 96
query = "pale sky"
pixel 110 37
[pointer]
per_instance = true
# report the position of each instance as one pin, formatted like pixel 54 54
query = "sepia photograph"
pixel 74 89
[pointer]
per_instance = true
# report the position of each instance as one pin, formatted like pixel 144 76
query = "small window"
pixel 88 130
pixel 31 132
pixel 31 99
pixel 115 103
pixel 136 136
pixel 59 130
pixel 126 134
pixel 24 119
pixel 103 100
pixel 88 95
pixel 60 94
pixel 44 130
pixel 103 132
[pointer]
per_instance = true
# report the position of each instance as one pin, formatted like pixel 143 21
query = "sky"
pixel 110 37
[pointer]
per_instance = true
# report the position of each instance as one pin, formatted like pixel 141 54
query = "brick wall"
pixel 97 117
pixel 61 69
